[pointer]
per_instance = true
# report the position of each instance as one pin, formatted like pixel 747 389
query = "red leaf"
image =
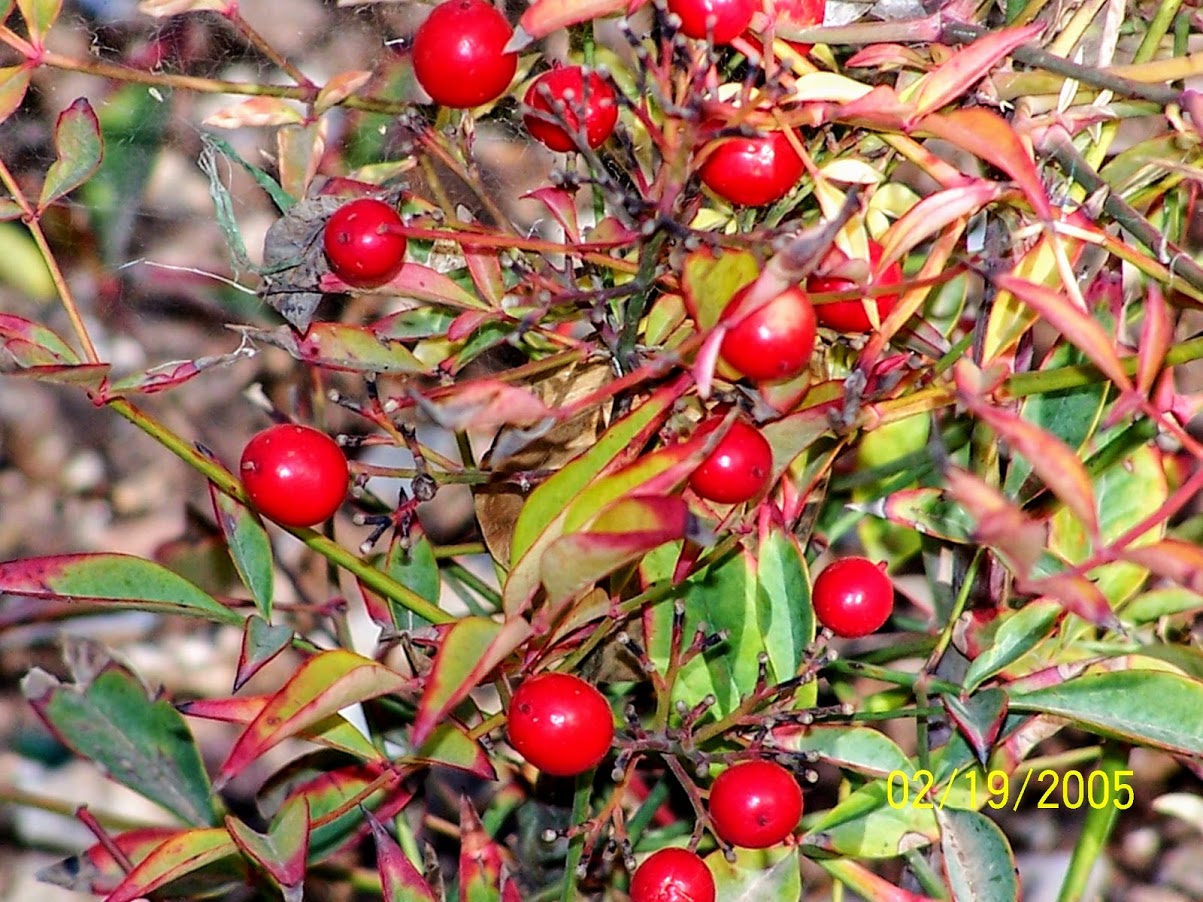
pixel 421 283
pixel 181 855
pixel 325 684
pixel 1077 595
pixel 968 66
pixel 561 204
pixel 1156 335
pixel 400 881
pixel 480 861
pixel 1000 522
pixel 485 267
pixel 95 871
pixel 933 214
pixel 470 649
pixel 1173 559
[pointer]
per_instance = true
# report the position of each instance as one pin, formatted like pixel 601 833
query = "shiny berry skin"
pixel 740 466
pixel 755 804
pixel 731 17
pixel 752 171
pixel 775 341
pixel 560 724
pixel 672 875
pixel 294 475
pixel 458 54
pixel 361 249
pixel 850 315
pixel 853 597
pixel 568 86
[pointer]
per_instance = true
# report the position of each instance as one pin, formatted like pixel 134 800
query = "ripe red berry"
pixel 752 171
pixel 740 466
pixel 755 804
pixel 720 20
pixel 459 56
pixel 672 875
pixel 569 86
pixel 799 14
pixel 560 724
pixel 294 475
pixel 773 342
pixel 853 597
pixel 850 315
pixel 361 246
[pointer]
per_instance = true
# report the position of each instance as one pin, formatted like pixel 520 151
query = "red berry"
pixel 568 86
pixel 773 342
pixel 294 475
pixel 752 171
pixel 459 54
pixel 360 244
pixel 853 597
pixel 798 13
pixel 560 724
pixel 755 804
pixel 720 20
pixel 850 315
pixel 672 875
pixel 740 466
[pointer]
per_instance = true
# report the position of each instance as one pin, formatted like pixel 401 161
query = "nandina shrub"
pixel 1008 440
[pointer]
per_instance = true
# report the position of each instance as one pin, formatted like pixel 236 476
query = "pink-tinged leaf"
pixel 1000 522
pixel 14 82
pixel 480 859
pixel 33 343
pixel 78 150
pixel 420 283
pixel 162 8
pixel 334 346
pixel 545 16
pixel 1156 335
pixel 988 136
pixel 1173 559
pixel 484 264
pixel 623 533
pixel 861 880
pixel 450 746
pixel 39 16
pixel 485 405
pixel 95 871
pixel 1079 328
pixel 299 151
pixel 256 112
pixel 1077 595
pixel 249 547
pixel 400 881
pixel 321 687
pixel 967 67
pixel 880 109
pixel 334 732
pixel 561 204
pixel 929 511
pixel 282 852
pixel 509 889
pixel 933 214
pixel 542 518
pixel 117 580
pixel 1051 459
pixel 339 88
pixel 470 650
pixel 261 644
pixel 877 56
pixel 177 857
pixel 169 375
pixel 464 325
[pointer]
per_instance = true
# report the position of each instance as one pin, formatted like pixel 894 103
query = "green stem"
pixel 893 677
pixel 580 812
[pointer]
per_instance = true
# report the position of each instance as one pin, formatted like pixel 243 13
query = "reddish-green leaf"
pixel 978 718
pixel 261 643
pixel 422 284
pixel 450 746
pixel 480 860
pixel 170 375
pixel 1152 708
pixel 117 580
pixel 978 862
pixel 545 16
pixel 471 648
pixel 249 545
pixel 32 343
pixel 485 405
pixel 1173 559
pixel 95 871
pixel 1018 634
pixel 933 214
pixel 107 715
pixel 39 16
pixel 1000 523
pixel 1156 335
pixel 324 685
pixel 335 346
pixel 709 281
pixel 78 150
pixel 282 852
pixel 14 82
pixel 178 857
pixel 1078 595
pixel 400 881
pixel 757 875
pixel 334 732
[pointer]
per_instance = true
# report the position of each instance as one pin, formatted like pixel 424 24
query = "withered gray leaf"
pixel 293 262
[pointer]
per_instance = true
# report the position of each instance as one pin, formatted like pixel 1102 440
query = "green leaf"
pixel 786 618
pixel 757 875
pixel 873 824
pixel 250 547
pixel 1154 605
pixel 14 82
pixel 978 860
pixel 39 16
pixel 279 196
pixel 261 643
pixel 283 850
pixel 1150 708
pixel 78 150
pixel 1019 633
pixel 709 281
pixel 117 580
pixel 414 565
pixel 859 749
pixel 108 717
pixel 341 348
